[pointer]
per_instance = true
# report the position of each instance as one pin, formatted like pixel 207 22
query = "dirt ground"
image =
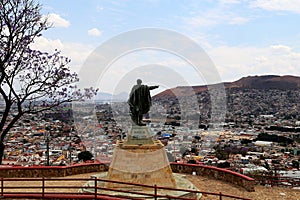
pixel 202 183
pixel 261 192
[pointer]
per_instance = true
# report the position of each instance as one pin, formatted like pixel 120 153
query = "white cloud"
pixel 215 17
pixel 238 20
pixel 46 45
pixel 229 1
pixel 56 20
pixel 281 5
pixel 94 32
pixel 280 49
pixel 236 62
pixel 99 8
pixel 202 20
pixel 77 52
pixel 150 65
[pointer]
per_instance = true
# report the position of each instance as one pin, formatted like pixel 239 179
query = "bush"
pixel 85 156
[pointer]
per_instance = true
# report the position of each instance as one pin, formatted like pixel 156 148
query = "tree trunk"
pixel 2 147
pixel 5 131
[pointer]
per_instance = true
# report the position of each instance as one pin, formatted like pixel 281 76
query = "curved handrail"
pixel 42 187
pixel 62 171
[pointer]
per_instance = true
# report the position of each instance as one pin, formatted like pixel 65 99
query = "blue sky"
pixel 247 37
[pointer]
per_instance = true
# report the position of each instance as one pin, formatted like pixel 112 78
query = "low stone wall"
pixel 217 173
pixel 50 171
pixel 62 171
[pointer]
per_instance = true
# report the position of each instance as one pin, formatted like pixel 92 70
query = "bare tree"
pixel 31 81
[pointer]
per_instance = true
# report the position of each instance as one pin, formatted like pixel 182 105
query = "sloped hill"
pixel 268 82
pixel 265 82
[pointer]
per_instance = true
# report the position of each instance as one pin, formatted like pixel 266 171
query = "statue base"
pixel 140 159
pixel 139 135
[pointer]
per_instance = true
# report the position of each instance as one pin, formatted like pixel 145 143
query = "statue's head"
pixel 139 81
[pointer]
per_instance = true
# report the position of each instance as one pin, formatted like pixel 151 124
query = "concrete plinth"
pixel 139 159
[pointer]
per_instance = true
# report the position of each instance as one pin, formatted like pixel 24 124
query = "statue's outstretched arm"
pixel 153 87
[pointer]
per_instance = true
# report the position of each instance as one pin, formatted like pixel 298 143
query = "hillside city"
pixel 261 128
pixel 71 128
pixel 260 134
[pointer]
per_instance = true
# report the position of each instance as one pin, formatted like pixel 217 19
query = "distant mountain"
pixel 102 96
pixel 267 82
pixel 251 82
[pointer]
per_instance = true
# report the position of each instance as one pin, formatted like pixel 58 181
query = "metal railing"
pixel 49 188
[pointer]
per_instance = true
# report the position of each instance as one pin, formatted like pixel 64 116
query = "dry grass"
pixel 261 192
pixel 203 184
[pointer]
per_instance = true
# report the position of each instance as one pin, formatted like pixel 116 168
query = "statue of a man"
pixel 140 101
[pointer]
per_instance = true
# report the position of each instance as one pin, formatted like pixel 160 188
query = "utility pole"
pixel 70 153
pixel 48 152
pixel 47 140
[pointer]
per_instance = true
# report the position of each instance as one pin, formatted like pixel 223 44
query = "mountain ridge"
pixel 123 96
pixel 263 82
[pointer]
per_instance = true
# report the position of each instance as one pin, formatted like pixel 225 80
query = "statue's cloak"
pixel 140 99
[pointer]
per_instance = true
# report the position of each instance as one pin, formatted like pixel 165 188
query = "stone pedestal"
pixel 140 159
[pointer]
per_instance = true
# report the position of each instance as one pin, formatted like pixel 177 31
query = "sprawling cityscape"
pixel 213 108
pixel 260 134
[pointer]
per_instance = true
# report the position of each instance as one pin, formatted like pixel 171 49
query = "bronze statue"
pixel 140 101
